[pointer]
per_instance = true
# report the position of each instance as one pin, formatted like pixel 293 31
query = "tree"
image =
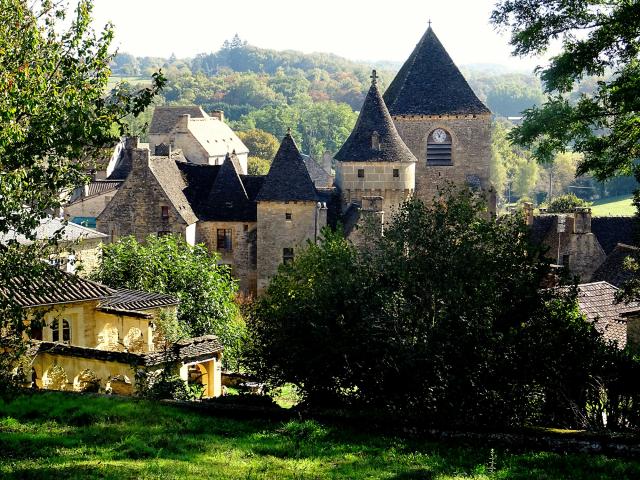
pixel 54 115
pixel 442 315
pixel 598 38
pixel 260 143
pixel 258 166
pixel 167 264
pixel 566 204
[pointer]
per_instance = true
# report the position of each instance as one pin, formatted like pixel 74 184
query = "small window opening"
pixel 55 331
pixel 375 141
pixel 224 239
pixel 396 172
pixel 361 173
pixel 165 212
pixel 245 227
pixel 66 331
pixel 287 255
pixel 287 216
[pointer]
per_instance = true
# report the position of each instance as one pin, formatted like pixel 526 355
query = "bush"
pixel 566 204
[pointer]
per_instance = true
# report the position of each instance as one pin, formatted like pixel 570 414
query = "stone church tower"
pixel 440 119
pixel 374 162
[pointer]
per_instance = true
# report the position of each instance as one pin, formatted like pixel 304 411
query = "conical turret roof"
pixel 228 199
pixel 429 83
pixel 374 137
pixel 288 178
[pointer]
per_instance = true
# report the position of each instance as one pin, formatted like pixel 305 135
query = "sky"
pixel 372 30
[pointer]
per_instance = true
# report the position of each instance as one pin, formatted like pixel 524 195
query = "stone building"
pixel 441 120
pixel 95 338
pixel 374 161
pixel 203 139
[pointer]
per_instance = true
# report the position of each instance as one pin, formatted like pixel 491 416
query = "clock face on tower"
pixel 439 135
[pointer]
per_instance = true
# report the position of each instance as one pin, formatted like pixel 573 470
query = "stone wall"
pixel 243 249
pixel 137 207
pixel 275 233
pixel 378 181
pixel 471 149
pixel 89 206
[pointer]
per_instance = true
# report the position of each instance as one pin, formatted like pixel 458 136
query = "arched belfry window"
pixel 439 147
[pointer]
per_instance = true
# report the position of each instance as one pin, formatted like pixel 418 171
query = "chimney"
pixel 527 208
pixel 326 162
pixel 183 123
pixel 582 220
pixel 219 114
pixel 131 142
pixel 139 159
pixel 163 150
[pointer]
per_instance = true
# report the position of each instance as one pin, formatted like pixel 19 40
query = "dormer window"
pixel 439 148
pixel 375 141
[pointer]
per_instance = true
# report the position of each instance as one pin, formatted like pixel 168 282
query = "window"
pixel 224 239
pixel 245 227
pixel 287 255
pixel 66 330
pixel 361 173
pixel 165 212
pixel 439 147
pixel 396 173
pixel 287 216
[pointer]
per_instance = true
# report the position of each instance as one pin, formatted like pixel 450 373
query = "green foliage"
pixel 122 438
pixel 54 114
pixel 166 384
pixel 258 166
pixel 597 38
pixel 167 264
pixel 260 143
pixel 442 316
pixel 566 203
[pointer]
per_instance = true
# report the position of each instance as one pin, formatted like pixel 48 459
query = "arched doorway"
pixel 198 376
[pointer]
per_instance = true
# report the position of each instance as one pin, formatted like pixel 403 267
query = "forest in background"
pixel 263 92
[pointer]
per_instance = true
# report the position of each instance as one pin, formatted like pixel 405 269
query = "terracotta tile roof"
pixel 597 302
pixel 429 83
pixel 613 230
pixel 288 178
pixel 53 287
pixel 374 119
pixel 612 270
pixel 135 300
pixel 189 350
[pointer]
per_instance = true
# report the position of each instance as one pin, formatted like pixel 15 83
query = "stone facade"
pixel 378 179
pixel 277 232
pixel 142 206
pixel 242 254
pixel 470 150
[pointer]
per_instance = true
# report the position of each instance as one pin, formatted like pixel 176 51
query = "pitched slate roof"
pixel 52 287
pixel 541 227
pixel 101 186
pixel 199 180
pixel 228 199
pixel 135 300
pixel 613 230
pixel 598 303
pixel 71 232
pixel 168 175
pixel 165 118
pixel 288 178
pixel 319 176
pixel 612 269
pixel 429 83
pixel 374 119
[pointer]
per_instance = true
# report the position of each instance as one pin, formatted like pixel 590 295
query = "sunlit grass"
pixel 55 435
pixel 613 206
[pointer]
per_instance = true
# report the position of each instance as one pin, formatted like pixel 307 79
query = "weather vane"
pixel 374 77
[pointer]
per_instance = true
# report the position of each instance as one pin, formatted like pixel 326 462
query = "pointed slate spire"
pixel 288 178
pixel 374 137
pixel 429 83
pixel 228 198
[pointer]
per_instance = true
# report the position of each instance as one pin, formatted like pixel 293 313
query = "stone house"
pixel 203 139
pixel 96 338
pixel 191 179
pixel 78 247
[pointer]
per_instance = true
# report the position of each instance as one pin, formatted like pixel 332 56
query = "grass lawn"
pixel 613 206
pixel 54 435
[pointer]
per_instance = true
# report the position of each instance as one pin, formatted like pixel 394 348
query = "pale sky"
pixel 355 29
